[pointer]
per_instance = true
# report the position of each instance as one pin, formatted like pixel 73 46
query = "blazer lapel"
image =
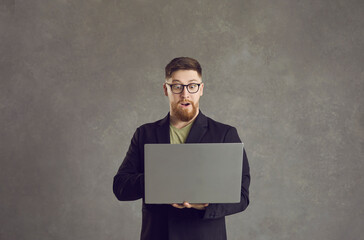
pixel 198 129
pixel 163 130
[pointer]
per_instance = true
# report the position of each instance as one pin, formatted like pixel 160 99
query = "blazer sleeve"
pixel 128 183
pixel 220 210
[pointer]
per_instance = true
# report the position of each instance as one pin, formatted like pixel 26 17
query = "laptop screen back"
pixel 196 173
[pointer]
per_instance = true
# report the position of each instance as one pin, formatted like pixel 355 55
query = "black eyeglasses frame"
pixel 183 87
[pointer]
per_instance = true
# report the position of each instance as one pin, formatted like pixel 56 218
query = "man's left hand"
pixel 198 206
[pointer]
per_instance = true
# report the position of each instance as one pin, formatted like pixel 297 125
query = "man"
pixel 184 123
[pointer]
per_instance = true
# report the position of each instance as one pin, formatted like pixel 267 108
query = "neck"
pixel 177 123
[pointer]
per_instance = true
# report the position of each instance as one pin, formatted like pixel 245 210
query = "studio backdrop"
pixel 78 77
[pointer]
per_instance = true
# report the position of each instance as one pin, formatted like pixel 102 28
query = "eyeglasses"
pixel 191 88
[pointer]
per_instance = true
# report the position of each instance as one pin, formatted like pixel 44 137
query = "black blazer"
pixel 164 222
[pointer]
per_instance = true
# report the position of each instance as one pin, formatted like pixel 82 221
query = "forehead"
pixel 185 76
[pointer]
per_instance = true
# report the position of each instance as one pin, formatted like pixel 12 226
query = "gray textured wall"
pixel 78 77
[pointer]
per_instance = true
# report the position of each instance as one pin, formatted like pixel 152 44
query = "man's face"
pixel 184 105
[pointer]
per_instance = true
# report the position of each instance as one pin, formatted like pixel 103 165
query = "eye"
pixel 177 86
pixel 192 86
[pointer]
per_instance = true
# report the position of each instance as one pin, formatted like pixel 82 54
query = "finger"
pixel 200 206
pixel 178 205
pixel 187 205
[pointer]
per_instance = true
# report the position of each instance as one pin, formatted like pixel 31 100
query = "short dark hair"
pixel 183 63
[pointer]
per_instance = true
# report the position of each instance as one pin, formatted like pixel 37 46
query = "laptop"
pixel 195 173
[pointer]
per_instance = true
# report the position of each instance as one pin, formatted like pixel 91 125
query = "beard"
pixel 184 114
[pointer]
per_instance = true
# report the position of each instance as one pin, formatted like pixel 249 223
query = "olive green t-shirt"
pixel 178 136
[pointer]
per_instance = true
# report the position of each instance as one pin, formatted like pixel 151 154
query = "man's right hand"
pixel 198 206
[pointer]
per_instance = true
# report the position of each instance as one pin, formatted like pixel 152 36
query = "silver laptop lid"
pixel 196 173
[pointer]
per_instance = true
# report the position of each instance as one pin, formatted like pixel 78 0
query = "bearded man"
pixel 184 123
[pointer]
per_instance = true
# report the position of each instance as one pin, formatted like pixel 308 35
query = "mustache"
pixel 184 101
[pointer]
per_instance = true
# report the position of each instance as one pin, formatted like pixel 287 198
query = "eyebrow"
pixel 192 80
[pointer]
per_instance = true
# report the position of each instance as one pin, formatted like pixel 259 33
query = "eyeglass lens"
pixel 191 88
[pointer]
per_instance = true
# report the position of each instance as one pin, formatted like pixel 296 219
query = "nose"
pixel 184 92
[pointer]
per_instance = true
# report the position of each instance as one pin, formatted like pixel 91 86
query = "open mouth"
pixel 185 104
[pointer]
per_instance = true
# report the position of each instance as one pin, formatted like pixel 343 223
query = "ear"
pixel 201 89
pixel 165 89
